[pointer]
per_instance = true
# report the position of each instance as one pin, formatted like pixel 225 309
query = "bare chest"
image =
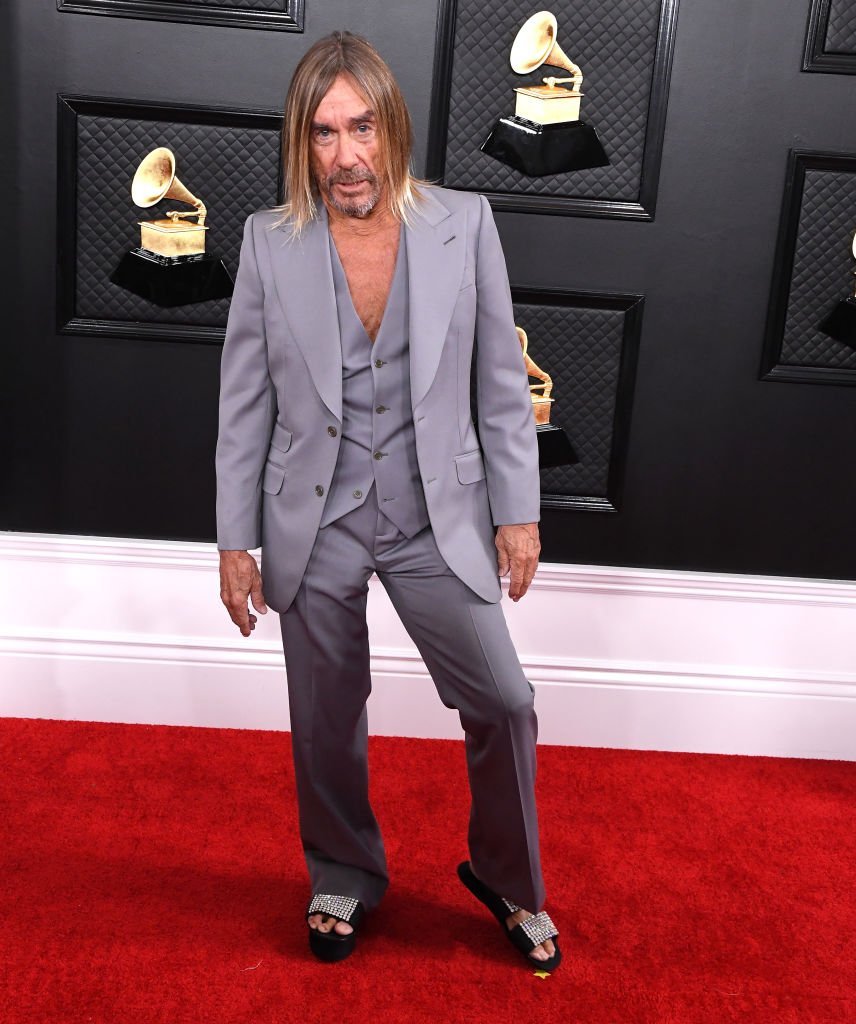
pixel 369 269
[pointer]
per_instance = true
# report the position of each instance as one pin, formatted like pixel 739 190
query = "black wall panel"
pixel 285 15
pixel 625 92
pixel 716 468
pixel 101 143
pixel 590 345
pixel 814 271
pixel 831 37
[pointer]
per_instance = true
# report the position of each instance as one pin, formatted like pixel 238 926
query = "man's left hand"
pixel 518 547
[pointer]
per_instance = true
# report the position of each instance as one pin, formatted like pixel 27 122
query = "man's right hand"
pixel 239 579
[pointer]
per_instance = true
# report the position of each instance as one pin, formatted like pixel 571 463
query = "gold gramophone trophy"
pixel 840 323
pixel 545 134
pixel 554 447
pixel 170 267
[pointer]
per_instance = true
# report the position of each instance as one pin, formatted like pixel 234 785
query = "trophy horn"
pixel 535 44
pixel 155 179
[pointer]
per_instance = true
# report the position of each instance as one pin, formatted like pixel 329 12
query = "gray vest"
pixel 378 445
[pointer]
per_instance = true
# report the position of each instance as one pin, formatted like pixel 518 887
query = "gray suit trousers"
pixel 465 644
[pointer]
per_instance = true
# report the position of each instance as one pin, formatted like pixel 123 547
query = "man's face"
pixel 344 150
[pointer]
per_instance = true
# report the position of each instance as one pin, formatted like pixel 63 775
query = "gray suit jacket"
pixel 281 393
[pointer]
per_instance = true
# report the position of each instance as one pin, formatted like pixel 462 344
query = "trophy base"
pixel 539 149
pixel 173 280
pixel 554 448
pixel 841 322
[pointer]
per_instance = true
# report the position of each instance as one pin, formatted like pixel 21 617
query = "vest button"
pixel 319 490
pixel 380 408
pixel 379 363
pixel 378 455
pixel 358 494
pixel 332 431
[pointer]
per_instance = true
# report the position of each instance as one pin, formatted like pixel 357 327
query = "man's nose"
pixel 346 156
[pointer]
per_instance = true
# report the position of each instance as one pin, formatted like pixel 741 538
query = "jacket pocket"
pixel 273 478
pixel 470 467
pixel 280 438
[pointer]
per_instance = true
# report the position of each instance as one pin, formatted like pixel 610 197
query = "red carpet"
pixel 152 875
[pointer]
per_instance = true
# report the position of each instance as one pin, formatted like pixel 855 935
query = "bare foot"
pixel 542 952
pixel 324 923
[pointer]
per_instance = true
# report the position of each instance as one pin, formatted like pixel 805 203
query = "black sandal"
pixel 524 936
pixel 331 946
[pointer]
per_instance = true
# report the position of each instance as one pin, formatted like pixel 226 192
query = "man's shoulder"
pixel 452 198
pixel 266 217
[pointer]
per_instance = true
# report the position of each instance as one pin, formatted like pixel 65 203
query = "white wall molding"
pixel 132 630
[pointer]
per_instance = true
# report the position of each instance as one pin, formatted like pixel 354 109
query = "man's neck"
pixel 377 222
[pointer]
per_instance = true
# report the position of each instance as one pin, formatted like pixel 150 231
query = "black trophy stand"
pixel 840 324
pixel 173 280
pixel 554 448
pixel 539 149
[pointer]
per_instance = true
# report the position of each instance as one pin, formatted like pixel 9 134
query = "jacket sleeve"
pixel 247 408
pixel 506 422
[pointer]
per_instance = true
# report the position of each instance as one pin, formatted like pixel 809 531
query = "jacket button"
pixel 332 431
pixel 380 408
pixel 378 455
pixel 358 494
pixel 379 363
pixel 319 490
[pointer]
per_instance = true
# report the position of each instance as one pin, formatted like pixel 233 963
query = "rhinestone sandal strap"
pixel 341 907
pixel 538 928
pixel 512 907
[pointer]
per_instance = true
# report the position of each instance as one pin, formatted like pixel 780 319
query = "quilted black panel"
pixel 822 269
pixel 841 30
pixel 581 350
pixel 232 170
pixel 252 5
pixel 615 47
pixel 286 15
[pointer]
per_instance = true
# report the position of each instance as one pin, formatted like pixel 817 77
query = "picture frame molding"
pixel 632 305
pixel 815 57
pixel 799 161
pixel 290 19
pixel 643 209
pixel 69 107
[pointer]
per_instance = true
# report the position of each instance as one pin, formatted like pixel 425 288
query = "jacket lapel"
pixel 435 258
pixel 303 276
pixel 304 283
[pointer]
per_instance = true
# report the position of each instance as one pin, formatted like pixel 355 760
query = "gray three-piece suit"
pixel 343 458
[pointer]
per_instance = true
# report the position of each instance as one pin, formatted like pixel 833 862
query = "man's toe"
pixel 324 924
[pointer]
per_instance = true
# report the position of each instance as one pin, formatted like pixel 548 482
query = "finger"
pixel 502 562
pixel 514 591
pixel 528 575
pixel 258 597
pixel 239 614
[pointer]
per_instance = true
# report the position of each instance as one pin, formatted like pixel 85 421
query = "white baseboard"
pixel 104 629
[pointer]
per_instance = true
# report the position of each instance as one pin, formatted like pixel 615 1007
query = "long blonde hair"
pixel 336 54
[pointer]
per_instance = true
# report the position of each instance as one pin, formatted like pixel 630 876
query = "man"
pixel 347 447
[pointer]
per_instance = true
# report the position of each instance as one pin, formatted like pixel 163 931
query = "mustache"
pixel 350 177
